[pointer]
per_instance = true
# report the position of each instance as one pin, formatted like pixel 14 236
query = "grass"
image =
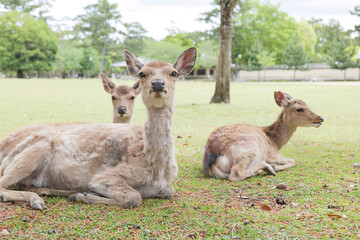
pixel 324 200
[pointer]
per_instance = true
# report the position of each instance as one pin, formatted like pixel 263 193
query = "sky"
pixel 158 16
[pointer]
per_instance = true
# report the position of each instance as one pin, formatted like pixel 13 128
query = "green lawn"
pixel 324 196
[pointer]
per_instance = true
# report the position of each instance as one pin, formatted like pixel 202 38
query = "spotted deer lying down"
pixel 123 99
pixel 115 164
pixel 242 151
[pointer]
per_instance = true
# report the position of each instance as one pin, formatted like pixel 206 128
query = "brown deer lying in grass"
pixel 242 151
pixel 115 164
pixel 123 99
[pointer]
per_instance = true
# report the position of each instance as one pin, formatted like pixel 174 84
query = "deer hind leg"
pixel 22 166
pixel 239 171
pixel 113 190
pixel 281 163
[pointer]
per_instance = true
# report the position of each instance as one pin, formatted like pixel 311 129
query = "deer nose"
pixel 158 85
pixel 121 110
pixel 321 119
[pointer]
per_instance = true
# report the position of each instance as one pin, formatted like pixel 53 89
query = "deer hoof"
pixel 76 197
pixel 39 205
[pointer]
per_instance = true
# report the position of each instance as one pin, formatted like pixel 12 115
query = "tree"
pixel 68 59
pixel 208 52
pixel 98 24
pixel 264 23
pixel 340 54
pixel 222 88
pixel 90 61
pixel 251 54
pixel 294 55
pixel 40 7
pixel 134 37
pixel 326 34
pixel 169 50
pixel 356 12
pixel 26 44
pixel 266 59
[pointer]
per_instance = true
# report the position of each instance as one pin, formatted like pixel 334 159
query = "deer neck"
pixel 121 120
pixel 280 131
pixel 159 144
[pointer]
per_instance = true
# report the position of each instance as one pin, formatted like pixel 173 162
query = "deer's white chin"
pixel 316 124
pixel 122 115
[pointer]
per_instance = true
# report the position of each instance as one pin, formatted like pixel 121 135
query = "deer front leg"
pixel 281 163
pixel 156 191
pixel 51 192
pixel 33 199
pixel 113 190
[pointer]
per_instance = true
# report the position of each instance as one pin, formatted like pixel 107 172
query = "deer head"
pixel 157 79
pixel 296 111
pixel 122 97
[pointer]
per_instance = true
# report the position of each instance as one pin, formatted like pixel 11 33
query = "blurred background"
pixel 271 40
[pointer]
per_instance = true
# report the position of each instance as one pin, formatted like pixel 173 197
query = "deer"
pixel 241 151
pixel 100 163
pixel 122 97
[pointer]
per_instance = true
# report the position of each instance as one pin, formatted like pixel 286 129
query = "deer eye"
pixel 173 74
pixel 299 110
pixel 132 98
pixel 142 75
pixel 113 98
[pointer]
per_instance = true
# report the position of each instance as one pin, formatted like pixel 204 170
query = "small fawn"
pixel 242 151
pixel 123 99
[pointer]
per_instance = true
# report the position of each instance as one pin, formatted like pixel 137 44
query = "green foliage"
pixel 207 53
pixel 68 59
pixel 26 44
pixel 134 37
pixel 90 61
pixel 251 54
pixel 180 39
pixel 266 59
pixel 341 53
pixel 40 7
pixel 162 50
pixel 356 12
pixel 294 55
pixel 326 34
pixel 262 22
pixel 307 37
pixel 98 24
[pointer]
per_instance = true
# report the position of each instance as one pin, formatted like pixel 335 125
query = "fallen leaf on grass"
pixel 334 216
pixel 264 207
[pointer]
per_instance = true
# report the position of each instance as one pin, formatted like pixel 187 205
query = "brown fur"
pixel 240 151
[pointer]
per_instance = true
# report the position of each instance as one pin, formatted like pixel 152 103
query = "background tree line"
pixel 262 36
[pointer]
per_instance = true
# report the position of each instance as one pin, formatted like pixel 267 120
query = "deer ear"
pixel 186 62
pixel 108 85
pixel 281 99
pixel 137 88
pixel 288 96
pixel 132 63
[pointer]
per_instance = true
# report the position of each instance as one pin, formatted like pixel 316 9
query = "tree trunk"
pixel 103 57
pixel 258 75
pixel 222 87
pixel 294 74
pixel 20 74
pixel 345 74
